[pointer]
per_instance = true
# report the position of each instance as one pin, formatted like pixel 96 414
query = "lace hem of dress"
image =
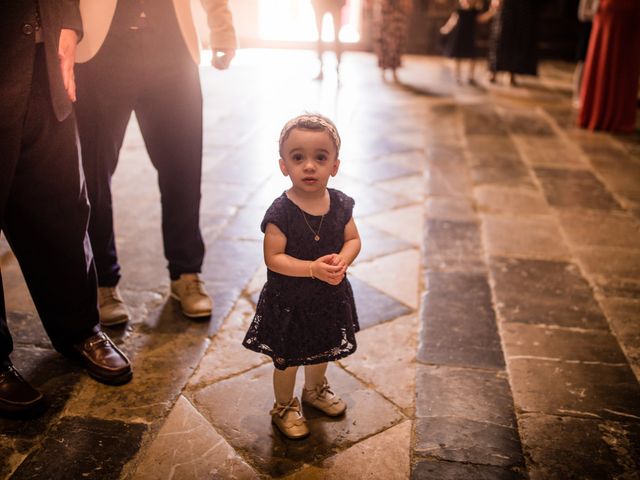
pixel 282 363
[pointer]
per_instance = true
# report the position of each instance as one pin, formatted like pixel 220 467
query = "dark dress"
pixel 612 68
pixel 461 41
pixel 302 321
pixel 513 41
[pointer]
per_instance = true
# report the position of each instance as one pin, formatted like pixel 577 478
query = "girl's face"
pixel 309 159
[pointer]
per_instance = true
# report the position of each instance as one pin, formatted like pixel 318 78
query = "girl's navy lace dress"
pixel 303 321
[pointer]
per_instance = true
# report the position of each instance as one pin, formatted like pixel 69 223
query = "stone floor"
pixel 498 289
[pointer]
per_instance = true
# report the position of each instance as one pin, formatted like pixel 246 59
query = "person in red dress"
pixel 612 68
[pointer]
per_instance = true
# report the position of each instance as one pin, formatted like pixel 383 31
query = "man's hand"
pixel 67 57
pixel 222 57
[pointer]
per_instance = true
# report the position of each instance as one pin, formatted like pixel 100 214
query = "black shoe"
pixel 16 395
pixel 103 360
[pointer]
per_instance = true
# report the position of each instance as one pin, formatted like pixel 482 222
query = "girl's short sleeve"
pixel 346 206
pixel 276 214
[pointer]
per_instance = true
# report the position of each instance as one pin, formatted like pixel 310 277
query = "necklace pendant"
pixel 317 238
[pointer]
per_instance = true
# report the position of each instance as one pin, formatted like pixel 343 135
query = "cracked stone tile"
pixel 540 342
pixel 533 236
pixel 374 306
pixel 557 294
pixel 385 359
pixel 458 322
pixel 385 455
pixel 443 470
pixel 188 447
pixel 456 209
pixel 601 229
pixel 246 423
pixel 83 448
pixel 396 275
pixel 516 201
pixel 404 223
pixel 568 447
pixel 12 454
pixel 465 393
pixel 575 189
pixel 589 390
pixel 462 440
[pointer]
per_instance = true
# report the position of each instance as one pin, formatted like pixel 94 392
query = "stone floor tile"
pixel 229 266
pixel 458 322
pixel 384 456
pixel 550 152
pixel 456 209
pixel 624 319
pixel 404 223
pixel 589 390
pixel 385 359
pixel 620 174
pixel 226 356
pixel 482 119
pixel 503 170
pixel 446 177
pixel 521 340
pixel 377 243
pixel 532 236
pixel 527 123
pixel 575 189
pixel 12 454
pixel 607 263
pixel 461 440
pixel 487 145
pixel 374 306
pixel 453 246
pixel 395 275
pixel 83 448
pixel 441 470
pixel 378 170
pixel 26 328
pixel 566 447
pixel 377 199
pixel 187 447
pixel 601 229
pixel 411 187
pixel 55 377
pixel 465 393
pixel 515 201
pixel 556 293
pixel 162 364
pixel 246 423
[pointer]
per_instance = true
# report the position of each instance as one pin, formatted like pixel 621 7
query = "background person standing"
pixel 142 56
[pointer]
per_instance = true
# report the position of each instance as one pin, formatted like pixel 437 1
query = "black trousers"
pixel 135 71
pixel 44 214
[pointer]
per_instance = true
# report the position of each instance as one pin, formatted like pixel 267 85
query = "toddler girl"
pixel 306 314
pixel 460 32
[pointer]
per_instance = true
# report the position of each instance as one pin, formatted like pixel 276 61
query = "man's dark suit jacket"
pixel 17 51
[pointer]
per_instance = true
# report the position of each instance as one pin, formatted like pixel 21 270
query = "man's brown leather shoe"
pixel 16 395
pixel 103 360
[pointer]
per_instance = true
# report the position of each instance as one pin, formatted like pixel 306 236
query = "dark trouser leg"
pixel 45 220
pixel 169 113
pixel 103 109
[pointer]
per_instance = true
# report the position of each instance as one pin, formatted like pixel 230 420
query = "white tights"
pixel 284 381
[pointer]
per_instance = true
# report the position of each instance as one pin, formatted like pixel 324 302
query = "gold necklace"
pixel 316 235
